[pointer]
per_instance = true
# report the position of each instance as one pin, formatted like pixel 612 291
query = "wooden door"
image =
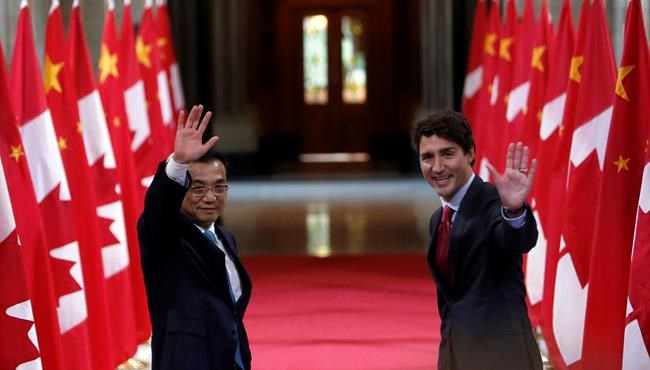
pixel 334 64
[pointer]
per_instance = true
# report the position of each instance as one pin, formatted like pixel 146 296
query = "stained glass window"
pixel 353 59
pixel 314 41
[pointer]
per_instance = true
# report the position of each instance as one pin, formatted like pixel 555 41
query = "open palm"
pixel 188 145
pixel 517 179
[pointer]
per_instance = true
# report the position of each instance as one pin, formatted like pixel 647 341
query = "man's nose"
pixel 437 165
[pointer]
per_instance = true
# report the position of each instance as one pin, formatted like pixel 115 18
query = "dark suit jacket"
pixel 195 324
pixel 484 317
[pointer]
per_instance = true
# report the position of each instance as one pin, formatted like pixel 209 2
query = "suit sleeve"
pixel 161 205
pixel 516 240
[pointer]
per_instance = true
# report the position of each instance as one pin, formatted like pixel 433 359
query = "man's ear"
pixel 470 156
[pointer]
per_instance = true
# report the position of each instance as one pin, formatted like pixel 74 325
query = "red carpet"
pixel 342 313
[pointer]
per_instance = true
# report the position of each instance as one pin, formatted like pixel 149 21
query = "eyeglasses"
pixel 200 190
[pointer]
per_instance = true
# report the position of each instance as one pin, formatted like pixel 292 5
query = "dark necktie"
pixel 442 244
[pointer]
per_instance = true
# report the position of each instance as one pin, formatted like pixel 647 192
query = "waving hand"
pixel 188 145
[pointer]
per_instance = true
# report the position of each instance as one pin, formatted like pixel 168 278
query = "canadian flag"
pixel 168 55
pixel 102 161
pixel 636 347
pixel 517 106
pixel 61 98
pixel 549 188
pixel 111 89
pixel 474 76
pixel 535 260
pixel 483 126
pixel 156 83
pixel 148 144
pixel 25 279
pixel 595 73
pixel 52 193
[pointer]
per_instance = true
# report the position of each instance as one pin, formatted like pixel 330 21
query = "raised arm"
pixel 188 145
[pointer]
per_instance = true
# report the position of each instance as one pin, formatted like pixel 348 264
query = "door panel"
pixel 335 106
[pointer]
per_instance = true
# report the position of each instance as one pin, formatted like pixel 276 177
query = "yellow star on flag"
pixel 538 53
pixel 574 72
pixel 52 71
pixel 80 128
pixel 488 44
pixel 63 143
pixel 504 48
pixel 161 43
pixel 107 64
pixel 116 121
pixel 622 73
pixel 561 132
pixel 539 116
pixel 16 152
pixel 506 98
pixel 622 163
pixel 143 50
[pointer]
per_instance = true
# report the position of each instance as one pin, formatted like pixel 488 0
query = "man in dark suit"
pixel 197 288
pixel 475 255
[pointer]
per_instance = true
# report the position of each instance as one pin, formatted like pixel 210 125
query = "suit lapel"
pixel 465 212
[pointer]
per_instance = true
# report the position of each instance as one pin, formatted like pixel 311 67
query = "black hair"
pixel 447 124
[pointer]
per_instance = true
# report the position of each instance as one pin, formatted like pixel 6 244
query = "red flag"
pixel 595 75
pixel 636 349
pixel 517 106
pixel 148 149
pixel 619 194
pixel 168 57
pixel 52 193
pixel 535 260
pixel 25 278
pixel 111 89
pixel 474 76
pixel 102 161
pixel 61 98
pixel 155 79
pixel 496 136
pixel 482 126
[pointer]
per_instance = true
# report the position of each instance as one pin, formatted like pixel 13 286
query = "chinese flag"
pixel 474 76
pixel 535 260
pixel 61 98
pixel 148 145
pixel 111 89
pixel 517 106
pixel 25 278
pixel 595 74
pixel 156 84
pixel 102 161
pixel 486 96
pixel 42 149
pixel 496 140
pixel 168 56
pixel 619 195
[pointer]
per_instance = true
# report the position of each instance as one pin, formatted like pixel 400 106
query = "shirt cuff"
pixel 176 171
pixel 517 222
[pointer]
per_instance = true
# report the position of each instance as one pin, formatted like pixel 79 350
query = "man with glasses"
pixel 197 288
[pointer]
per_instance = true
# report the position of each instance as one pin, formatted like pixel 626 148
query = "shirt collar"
pixel 454 203
pixel 202 229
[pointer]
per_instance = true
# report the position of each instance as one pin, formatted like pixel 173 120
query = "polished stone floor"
pixel 333 217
